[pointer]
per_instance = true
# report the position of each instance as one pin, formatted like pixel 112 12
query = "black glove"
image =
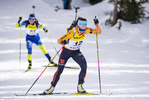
pixel 96 21
pixel 46 30
pixel 64 42
pixel 20 18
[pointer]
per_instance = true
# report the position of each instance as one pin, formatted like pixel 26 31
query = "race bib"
pixel 31 32
pixel 31 29
pixel 74 45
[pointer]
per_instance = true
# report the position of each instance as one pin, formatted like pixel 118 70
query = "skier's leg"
pixel 29 48
pixel 80 59
pixel 64 56
pixel 38 42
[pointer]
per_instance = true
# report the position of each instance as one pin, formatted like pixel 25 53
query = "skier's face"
pixel 31 21
pixel 81 26
pixel 81 29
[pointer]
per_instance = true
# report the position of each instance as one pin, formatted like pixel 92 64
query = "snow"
pixel 124 65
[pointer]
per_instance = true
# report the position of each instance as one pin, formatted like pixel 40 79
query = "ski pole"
pixel 52 43
pixel 76 10
pixel 33 9
pixel 98 60
pixel 42 72
pixel 20 45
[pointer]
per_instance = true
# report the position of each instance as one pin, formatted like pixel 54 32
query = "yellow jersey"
pixel 75 39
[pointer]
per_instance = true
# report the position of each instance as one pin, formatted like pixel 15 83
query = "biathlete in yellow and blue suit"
pixel 32 36
pixel 72 42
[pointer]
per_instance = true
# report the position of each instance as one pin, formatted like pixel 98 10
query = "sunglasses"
pixel 81 29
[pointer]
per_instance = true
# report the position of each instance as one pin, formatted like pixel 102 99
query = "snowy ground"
pixel 123 54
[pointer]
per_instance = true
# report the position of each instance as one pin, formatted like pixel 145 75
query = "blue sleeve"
pixel 37 23
pixel 23 23
pixel 43 27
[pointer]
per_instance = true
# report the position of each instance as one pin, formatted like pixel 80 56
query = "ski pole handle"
pixel 33 8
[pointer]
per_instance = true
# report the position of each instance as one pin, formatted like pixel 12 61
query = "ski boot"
pixel 80 89
pixel 30 65
pixel 53 63
pixel 50 90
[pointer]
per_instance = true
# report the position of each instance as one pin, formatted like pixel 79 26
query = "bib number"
pixel 78 43
pixel 74 45
pixel 32 31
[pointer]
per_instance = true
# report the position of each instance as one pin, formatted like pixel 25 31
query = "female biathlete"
pixel 71 48
pixel 32 36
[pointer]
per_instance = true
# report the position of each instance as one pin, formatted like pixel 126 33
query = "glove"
pixel 64 42
pixel 20 18
pixel 96 21
pixel 46 30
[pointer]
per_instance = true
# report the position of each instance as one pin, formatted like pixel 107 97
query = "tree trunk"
pixel 114 13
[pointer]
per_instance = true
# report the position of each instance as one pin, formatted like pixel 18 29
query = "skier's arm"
pixel 98 30
pixel 42 26
pixel 18 24
pixel 21 24
pixel 94 31
pixel 65 38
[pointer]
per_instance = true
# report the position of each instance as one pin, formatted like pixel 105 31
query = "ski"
pixel 64 67
pixel 83 93
pixel 58 93
pixel 40 94
pixel 27 70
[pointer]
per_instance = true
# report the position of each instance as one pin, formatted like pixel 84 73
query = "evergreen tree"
pixel 130 10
